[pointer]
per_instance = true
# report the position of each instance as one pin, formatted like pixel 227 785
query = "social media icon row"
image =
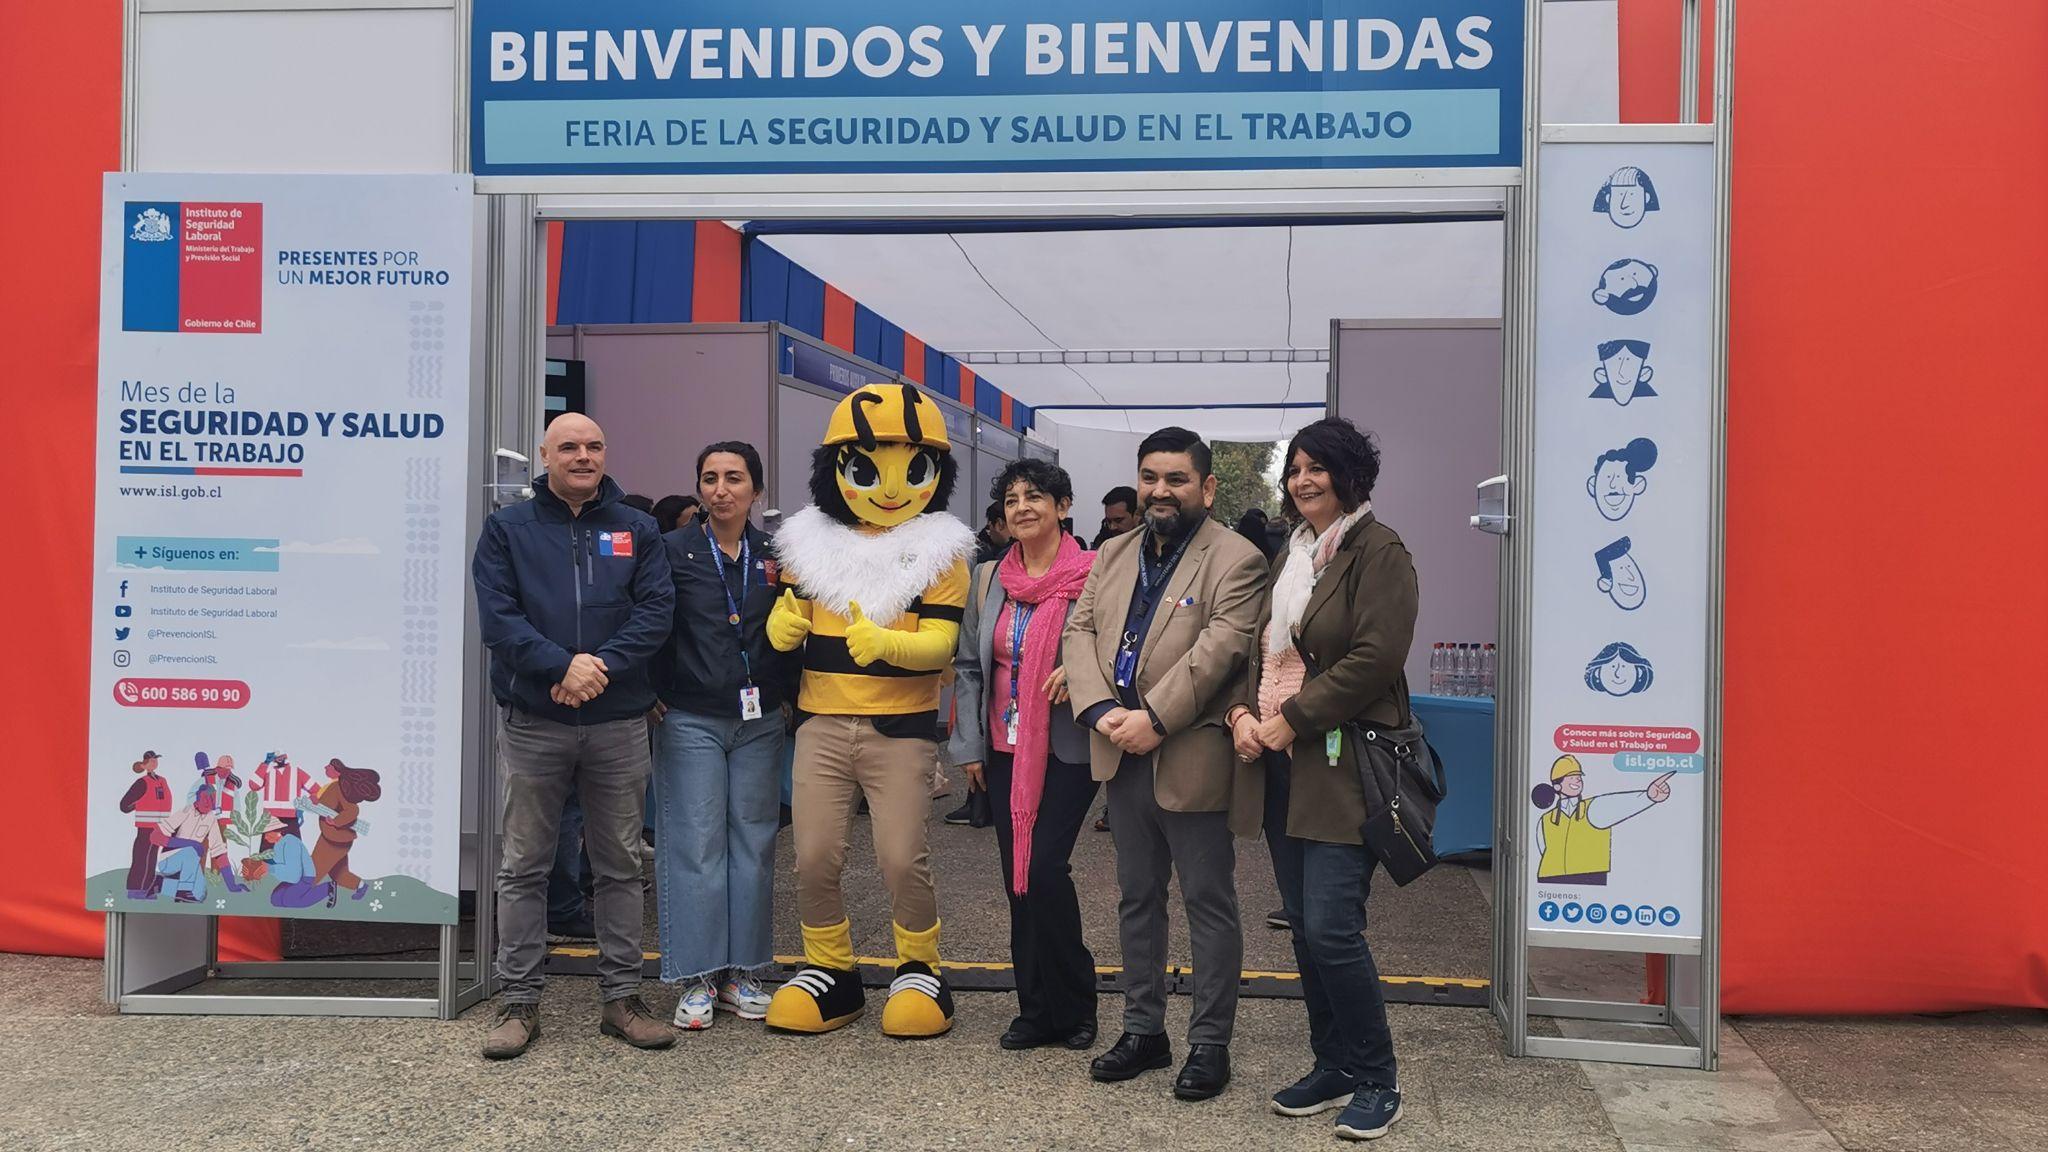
pixel 1550 911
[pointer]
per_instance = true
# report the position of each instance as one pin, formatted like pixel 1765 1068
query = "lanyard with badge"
pixel 750 696
pixel 1020 619
pixel 1148 589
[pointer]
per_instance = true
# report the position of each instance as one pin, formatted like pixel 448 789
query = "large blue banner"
pixel 710 86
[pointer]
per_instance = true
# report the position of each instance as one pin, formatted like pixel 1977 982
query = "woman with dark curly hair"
pixel 1331 649
pixel 339 807
pixel 1014 734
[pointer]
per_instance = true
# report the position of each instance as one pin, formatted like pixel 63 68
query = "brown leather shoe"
pixel 513 1031
pixel 628 1019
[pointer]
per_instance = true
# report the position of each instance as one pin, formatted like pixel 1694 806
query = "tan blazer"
pixel 1357 627
pixel 1191 663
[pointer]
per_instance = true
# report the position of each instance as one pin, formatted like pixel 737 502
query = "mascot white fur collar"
pixel 836 564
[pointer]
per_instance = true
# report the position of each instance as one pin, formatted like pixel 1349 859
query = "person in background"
pixel 1119 514
pixel 718 751
pixel 1252 526
pixel 574 600
pixel 672 512
pixel 635 500
pixel 1346 596
pixel 1155 652
pixel 1014 735
pixel 994 536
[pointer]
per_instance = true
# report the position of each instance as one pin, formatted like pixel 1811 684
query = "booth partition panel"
pixel 661 392
pixel 800 419
pixel 1430 392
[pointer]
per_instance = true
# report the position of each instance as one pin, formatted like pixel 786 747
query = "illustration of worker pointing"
pixel 1574 836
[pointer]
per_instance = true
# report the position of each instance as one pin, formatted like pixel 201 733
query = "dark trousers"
pixel 142 860
pixel 1323 888
pixel 1153 846
pixel 1054 969
pixel 570 879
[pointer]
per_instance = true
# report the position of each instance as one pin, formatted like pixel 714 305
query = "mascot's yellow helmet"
pixel 1565 766
pixel 885 453
pixel 888 414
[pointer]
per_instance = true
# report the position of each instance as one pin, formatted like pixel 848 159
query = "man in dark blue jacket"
pixel 574 599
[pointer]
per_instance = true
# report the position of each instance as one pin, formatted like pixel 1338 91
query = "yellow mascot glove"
pixel 788 622
pixel 928 649
pixel 866 641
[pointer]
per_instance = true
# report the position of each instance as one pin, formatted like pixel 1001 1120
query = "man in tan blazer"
pixel 1155 651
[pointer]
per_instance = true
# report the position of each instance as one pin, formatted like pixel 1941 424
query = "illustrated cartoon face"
pixel 888 484
pixel 1624 583
pixel 1572 785
pixel 1617 676
pixel 1626 287
pixel 1612 489
pixel 1624 371
pixel 1626 197
pixel 1619 670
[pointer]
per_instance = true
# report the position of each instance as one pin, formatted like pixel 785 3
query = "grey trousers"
pixel 1152 844
pixel 608 765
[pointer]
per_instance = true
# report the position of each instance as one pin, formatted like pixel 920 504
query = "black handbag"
pixel 1401 792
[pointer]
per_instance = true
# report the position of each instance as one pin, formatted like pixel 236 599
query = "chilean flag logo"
pixel 615 544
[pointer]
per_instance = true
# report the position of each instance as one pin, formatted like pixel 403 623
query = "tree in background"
pixel 1241 479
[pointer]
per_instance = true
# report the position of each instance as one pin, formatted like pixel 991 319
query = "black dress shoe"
pixel 1082 1037
pixel 1023 1035
pixel 1132 1055
pixel 1205 1073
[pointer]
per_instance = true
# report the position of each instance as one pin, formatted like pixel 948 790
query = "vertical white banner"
pixel 279 546
pixel 1621 514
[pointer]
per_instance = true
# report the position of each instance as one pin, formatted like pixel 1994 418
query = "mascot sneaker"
pixel 920 1005
pixel 817 1000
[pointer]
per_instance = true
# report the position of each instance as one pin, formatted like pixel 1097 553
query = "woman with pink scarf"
pixel 1014 732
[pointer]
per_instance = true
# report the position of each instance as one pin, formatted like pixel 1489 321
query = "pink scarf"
pixel 1062 582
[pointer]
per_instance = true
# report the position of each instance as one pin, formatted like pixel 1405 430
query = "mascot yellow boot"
pixel 875 576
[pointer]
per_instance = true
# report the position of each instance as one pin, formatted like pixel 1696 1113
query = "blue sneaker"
pixel 1319 1091
pixel 1371 1112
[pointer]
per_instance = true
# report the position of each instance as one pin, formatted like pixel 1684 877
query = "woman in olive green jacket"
pixel 1344 594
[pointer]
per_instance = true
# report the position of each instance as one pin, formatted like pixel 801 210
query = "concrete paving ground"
pixel 77 1076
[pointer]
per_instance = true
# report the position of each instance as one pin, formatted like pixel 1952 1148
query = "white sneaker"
pixel 693 1011
pixel 743 996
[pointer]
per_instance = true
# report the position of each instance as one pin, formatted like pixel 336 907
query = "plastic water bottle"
pixel 1461 670
pixel 1436 669
pixel 1489 662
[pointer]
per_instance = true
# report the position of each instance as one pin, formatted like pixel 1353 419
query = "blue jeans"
pixel 183 872
pixel 1323 888
pixel 717 793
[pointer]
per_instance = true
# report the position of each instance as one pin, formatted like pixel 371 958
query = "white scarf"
pixel 1296 584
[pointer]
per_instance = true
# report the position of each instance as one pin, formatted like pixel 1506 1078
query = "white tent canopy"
pixel 1117 311
pixel 1245 299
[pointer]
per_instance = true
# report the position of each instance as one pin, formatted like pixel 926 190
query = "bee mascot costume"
pixel 876 581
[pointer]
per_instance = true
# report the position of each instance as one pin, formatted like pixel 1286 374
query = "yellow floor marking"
pixel 585 952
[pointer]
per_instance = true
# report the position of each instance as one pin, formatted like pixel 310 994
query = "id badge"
pixel 1126 666
pixel 750 703
pixel 1010 726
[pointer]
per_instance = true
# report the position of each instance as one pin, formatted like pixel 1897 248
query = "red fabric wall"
pixel 1886 608
pixel 60 118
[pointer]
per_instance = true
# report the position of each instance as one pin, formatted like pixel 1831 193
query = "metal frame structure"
pixel 509 341
pixel 1690 1009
